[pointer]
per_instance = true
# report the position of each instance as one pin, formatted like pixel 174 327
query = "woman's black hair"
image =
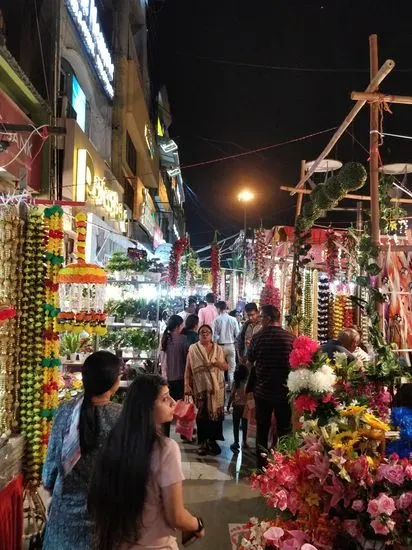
pixel 205 326
pixel 99 372
pixel 240 375
pixel 118 487
pixel 191 322
pixel 172 324
pixel 404 396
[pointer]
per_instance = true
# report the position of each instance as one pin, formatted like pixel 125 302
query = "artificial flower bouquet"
pixel 311 381
pixel 335 486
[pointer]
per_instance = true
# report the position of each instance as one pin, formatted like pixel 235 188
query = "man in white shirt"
pixel 189 310
pixel 225 332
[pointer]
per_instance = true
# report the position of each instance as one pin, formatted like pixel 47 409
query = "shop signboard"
pixel 21 155
pixel 147 215
pixel 84 14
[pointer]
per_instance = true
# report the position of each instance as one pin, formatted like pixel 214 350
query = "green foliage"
pixel 112 340
pixel 389 211
pixel 352 176
pixel 70 343
pixel 140 339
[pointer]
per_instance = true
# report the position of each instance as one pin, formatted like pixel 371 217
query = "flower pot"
pixel 128 321
pixel 154 277
pixel 111 320
pixel 74 356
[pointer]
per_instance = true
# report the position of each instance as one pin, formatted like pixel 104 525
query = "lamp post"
pixel 245 197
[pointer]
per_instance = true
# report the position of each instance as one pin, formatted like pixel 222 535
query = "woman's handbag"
pixel 185 413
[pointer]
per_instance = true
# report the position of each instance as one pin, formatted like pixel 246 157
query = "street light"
pixel 245 196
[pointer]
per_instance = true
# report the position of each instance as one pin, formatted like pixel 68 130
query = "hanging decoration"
pixel 349 251
pixel 348 313
pixel 215 264
pixel 260 251
pixel 331 254
pixel 177 251
pixel 53 224
pixel 10 277
pixel 270 295
pixel 82 291
pixel 323 308
pixel 307 309
pixel 339 304
pixel 32 344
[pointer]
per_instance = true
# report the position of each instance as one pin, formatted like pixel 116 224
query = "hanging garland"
pixel 270 295
pixel 260 251
pixel 331 254
pixel 215 264
pixel 10 280
pixel 81 291
pixel 307 304
pixel 178 248
pixel 31 344
pixel 323 308
pixel 53 223
pixel 349 251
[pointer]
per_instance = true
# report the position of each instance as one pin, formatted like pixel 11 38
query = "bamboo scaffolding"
pixel 348 196
pixel 381 98
pixel 383 72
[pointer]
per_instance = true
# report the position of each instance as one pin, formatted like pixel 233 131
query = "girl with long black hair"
pixel 79 431
pixel 135 496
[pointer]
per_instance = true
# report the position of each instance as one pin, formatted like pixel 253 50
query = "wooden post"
pixel 373 86
pixel 359 227
pixel 300 197
pixel 374 159
pixel 385 98
pixel 347 196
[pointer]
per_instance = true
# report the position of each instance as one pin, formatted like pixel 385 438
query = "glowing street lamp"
pixel 245 196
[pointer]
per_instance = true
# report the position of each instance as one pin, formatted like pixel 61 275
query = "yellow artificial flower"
pixel 376 435
pixel 374 422
pixel 345 440
pixel 354 410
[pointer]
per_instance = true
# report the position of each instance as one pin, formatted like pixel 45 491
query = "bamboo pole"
pixel 373 86
pixel 374 164
pixel 348 196
pixel 300 197
pixel 382 98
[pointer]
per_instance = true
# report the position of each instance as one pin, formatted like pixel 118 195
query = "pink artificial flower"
pixel 299 536
pixel 299 358
pixel 293 502
pixel 337 490
pixel 352 527
pixel 304 342
pixel 330 398
pixel 359 468
pixel 305 403
pixel 282 500
pixel 379 527
pixel 358 505
pixel 312 444
pixel 408 471
pixel 319 469
pixel 404 501
pixel 393 473
pixel 381 505
pixel 308 547
pixel 273 534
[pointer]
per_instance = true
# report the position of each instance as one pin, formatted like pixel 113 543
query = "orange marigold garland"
pixel 53 224
pixel 82 290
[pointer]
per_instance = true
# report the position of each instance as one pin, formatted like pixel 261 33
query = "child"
pixel 238 399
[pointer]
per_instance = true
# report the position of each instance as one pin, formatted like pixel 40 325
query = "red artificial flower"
pixel 305 403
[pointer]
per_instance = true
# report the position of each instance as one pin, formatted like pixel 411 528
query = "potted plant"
pixel 111 306
pixel 70 346
pixel 113 340
pixel 126 310
pixel 135 339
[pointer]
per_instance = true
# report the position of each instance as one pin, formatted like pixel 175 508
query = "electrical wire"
pixel 23 146
pixel 41 51
pixel 258 150
pixel 279 67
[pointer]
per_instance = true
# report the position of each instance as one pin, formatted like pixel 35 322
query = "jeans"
pixel 264 409
pixel 238 411
pixel 230 358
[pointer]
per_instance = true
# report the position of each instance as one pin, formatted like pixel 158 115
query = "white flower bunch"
pixel 320 381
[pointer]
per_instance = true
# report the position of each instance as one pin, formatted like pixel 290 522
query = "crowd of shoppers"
pixel 115 475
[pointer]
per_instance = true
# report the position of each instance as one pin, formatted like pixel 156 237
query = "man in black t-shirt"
pixel 269 354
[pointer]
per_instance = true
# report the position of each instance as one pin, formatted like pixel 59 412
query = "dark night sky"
pixel 223 108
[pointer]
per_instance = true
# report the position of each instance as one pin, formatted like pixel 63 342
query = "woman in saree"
pixel 205 381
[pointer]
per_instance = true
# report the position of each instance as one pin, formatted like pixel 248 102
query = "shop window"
pixel 131 154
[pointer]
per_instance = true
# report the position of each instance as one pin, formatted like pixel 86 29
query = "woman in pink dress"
pixel 136 496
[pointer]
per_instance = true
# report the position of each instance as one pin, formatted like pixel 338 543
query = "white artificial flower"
pixel 323 380
pixel 340 358
pixel 298 380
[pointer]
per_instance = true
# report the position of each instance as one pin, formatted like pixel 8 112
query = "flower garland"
pixel 331 254
pixel 307 304
pixel 32 344
pixel 53 223
pixel 215 265
pixel 323 308
pixel 81 291
pixel 260 251
pixel 270 294
pixel 10 280
pixel 178 248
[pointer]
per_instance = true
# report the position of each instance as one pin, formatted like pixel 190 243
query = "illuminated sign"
pixel 147 217
pixel 84 13
pixel 95 188
pixel 148 134
pixel 79 103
